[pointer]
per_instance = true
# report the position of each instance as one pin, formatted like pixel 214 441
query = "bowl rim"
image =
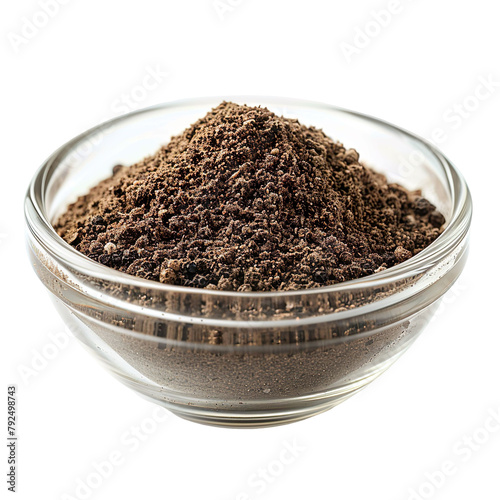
pixel 42 230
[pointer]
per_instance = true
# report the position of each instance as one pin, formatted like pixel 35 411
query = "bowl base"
pixel 246 421
pixel 270 416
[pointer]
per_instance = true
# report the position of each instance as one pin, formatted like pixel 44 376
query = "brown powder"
pixel 246 200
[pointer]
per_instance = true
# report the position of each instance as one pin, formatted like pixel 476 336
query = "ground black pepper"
pixel 249 201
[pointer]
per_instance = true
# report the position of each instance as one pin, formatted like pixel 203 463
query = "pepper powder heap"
pixel 246 200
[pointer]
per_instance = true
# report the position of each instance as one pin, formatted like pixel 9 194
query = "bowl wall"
pixel 245 359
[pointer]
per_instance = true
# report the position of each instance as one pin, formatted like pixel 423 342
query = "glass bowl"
pixel 245 359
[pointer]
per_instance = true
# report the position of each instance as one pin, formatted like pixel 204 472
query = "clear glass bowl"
pixel 235 358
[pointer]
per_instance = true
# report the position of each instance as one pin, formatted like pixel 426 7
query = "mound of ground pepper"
pixel 246 200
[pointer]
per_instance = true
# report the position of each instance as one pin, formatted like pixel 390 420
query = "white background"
pixel 416 72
